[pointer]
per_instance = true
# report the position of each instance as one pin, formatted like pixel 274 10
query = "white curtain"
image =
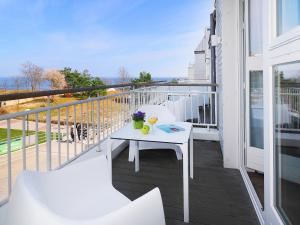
pixel 255 27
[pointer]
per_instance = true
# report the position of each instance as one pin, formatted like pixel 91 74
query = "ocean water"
pixel 19 83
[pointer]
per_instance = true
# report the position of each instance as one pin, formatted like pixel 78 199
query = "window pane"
pixel 256 110
pixel 287 141
pixel 288 15
pixel 255 27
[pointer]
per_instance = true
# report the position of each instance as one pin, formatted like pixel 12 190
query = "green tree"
pixel 174 81
pixel 75 79
pixel 145 77
pixel 96 81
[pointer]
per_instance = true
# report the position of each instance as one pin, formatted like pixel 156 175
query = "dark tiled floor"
pixel 217 195
pixel 257 180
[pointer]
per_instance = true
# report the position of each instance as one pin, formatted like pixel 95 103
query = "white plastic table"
pixel 181 139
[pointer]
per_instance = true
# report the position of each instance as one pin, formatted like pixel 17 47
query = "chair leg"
pixel 109 157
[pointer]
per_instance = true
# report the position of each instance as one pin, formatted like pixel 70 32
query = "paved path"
pixel 17 124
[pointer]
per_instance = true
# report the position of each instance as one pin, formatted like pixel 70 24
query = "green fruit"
pixel 145 129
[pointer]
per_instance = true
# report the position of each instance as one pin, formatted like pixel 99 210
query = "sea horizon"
pixel 11 83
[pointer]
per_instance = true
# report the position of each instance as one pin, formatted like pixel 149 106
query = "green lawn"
pixel 14 133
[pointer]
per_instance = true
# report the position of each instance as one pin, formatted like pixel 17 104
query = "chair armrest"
pixel 146 210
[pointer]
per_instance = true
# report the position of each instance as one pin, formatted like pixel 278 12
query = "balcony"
pixel 217 195
pixel 49 140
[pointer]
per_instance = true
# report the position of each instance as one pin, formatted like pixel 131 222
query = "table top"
pixel 129 133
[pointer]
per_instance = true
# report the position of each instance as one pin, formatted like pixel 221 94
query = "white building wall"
pixel 218 6
pixel 227 71
pixel 191 72
pixel 200 68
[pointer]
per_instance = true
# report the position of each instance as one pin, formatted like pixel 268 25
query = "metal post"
pixel 9 180
pixel 23 143
pixel 48 135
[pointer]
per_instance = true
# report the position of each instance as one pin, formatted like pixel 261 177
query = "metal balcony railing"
pixel 51 137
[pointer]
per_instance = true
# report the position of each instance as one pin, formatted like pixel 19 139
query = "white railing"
pixel 50 137
pixel 291 97
pixel 190 105
pixel 288 106
pixel 53 136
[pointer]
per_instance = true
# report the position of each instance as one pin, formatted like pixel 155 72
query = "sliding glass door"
pixel 255 112
pixel 287 141
pixel 254 87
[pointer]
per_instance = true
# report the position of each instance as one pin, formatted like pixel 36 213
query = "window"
pixel 288 15
pixel 255 27
pixel 287 141
pixel 256 110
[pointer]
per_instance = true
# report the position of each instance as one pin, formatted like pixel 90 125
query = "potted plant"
pixel 138 119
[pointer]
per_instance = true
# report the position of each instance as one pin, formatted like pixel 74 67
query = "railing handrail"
pixel 34 94
pixel 55 107
pixel 46 93
pixel 194 92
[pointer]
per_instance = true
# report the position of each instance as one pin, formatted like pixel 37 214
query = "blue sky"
pixel 158 36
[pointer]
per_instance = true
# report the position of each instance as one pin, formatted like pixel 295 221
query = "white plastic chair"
pixel 79 194
pixel 165 116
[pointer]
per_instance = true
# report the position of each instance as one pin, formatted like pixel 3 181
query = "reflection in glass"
pixel 288 15
pixel 287 141
pixel 255 27
pixel 256 110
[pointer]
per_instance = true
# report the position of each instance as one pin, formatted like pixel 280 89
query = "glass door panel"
pixel 255 121
pixel 253 101
pixel 288 15
pixel 287 141
pixel 256 110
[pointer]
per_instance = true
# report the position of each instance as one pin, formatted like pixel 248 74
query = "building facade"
pixel 200 69
pixel 257 70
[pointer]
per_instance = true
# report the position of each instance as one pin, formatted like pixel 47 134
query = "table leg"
pixel 132 146
pixel 191 154
pixel 185 182
pixel 109 158
pixel 137 157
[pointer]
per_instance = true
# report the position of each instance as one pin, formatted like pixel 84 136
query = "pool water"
pixel 16 144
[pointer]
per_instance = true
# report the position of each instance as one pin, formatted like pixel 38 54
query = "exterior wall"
pixel 227 71
pixel 200 69
pixel 218 6
pixel 191 72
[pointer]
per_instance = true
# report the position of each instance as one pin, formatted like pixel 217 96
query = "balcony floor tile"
pixel 218 196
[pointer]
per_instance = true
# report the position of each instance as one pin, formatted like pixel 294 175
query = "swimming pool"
pixel 16 144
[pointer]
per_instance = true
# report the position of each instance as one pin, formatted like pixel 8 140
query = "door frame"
pixel 277 50
pixel 242 112
pixel 255 156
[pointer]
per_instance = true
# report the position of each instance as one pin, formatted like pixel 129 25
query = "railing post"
pixel 132 100
pixel 23 143
pixel 48 133
pixel 9 169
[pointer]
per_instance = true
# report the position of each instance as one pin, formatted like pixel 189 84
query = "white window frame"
pixel 277 50
pixel 243 124
pixel 254 156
